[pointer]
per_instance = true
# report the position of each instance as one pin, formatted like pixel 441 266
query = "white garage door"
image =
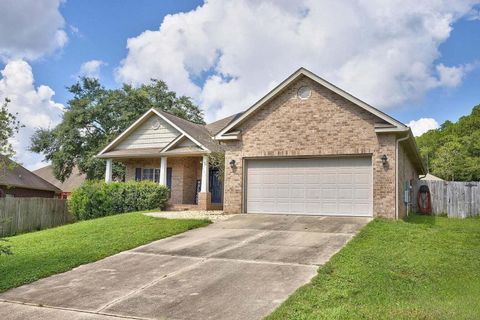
pixel 324 186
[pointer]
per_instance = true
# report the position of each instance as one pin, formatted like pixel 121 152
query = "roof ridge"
pixel 179 118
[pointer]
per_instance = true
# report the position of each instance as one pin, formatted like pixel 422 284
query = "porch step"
pixel 191 207
pixel 181 207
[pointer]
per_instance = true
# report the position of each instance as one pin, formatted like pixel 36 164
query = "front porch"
pixel 193 183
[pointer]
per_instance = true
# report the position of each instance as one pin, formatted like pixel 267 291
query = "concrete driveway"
pixel 241 268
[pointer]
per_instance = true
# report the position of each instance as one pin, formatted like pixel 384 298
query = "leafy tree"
pixel 95 116
pixel 452 151
pixel 449 160
pixel 9 125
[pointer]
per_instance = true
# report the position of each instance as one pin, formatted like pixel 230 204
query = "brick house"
pixel 307 147
pixel 74 181
pixel 16 181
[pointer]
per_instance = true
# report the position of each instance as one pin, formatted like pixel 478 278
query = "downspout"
pixel 396 173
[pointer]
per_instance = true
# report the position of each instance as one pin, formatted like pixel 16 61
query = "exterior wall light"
pixel 384 160
pixel 232 164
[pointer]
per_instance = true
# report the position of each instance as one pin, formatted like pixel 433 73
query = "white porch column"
pixel 205 179
pixel 108 171
pixel 163 171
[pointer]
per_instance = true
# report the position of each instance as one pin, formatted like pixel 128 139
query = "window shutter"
pixel 169 178
pixel 138 174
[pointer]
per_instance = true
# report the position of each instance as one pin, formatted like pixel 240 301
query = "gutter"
pixel 396 173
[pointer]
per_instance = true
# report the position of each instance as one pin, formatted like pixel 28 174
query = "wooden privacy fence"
pixel 456 199
pixel 28 214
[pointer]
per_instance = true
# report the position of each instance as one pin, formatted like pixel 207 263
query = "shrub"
pixel 97 199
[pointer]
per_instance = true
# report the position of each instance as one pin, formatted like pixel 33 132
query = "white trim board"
pixel 172 143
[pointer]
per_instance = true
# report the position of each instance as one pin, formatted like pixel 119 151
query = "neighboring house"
pixel 21 183
pixel 307 147
pixel 74 181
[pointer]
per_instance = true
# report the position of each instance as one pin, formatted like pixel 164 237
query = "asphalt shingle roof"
pixel 198 132
pixel 22 178
pixel 71 183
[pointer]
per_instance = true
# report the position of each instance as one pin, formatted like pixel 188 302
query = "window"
pixel 147 174
pixel 151 174
pixel 304 92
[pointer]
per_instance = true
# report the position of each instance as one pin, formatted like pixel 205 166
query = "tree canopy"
pixel 95 116
pixel 453 150
pixel 9 125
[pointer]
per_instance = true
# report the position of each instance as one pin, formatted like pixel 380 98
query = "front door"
pixel 215 186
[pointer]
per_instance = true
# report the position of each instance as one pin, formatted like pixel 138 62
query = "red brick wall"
pixel 27 193
pixel 323 125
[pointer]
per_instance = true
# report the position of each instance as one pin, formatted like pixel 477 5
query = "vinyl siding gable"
pixel 148 136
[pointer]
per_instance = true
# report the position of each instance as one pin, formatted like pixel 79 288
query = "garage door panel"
pixel 360 194
pixel 345 177
pixel 329 208
pixel 283 178
pixel 345 194
pixel 362 208
pixel 329 193
pixel 361 177
pixel 282 207
pixel 312 207
pixel 330 186
pixel 328 177
pixel 283 192
pixel 345 206
pixel 313 194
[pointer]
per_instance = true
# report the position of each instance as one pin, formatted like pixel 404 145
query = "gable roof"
pixel 20 177
pixel 395 124
pixel 197 133
pixel 72 182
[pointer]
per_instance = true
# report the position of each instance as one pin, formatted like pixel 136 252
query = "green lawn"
pixel 421 268
pixel 43 253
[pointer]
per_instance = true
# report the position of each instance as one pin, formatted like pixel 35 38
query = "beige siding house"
pixel 307 147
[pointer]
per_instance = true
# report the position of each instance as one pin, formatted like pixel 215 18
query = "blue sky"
pixel 103 29
pixel 418 63
pixel 462 47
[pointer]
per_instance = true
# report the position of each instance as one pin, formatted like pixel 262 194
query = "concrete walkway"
pixel 212 215
pixel 241 268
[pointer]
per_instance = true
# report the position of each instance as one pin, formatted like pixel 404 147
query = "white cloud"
pixel 474 14
pixel 91 68
pixel 35 107
pixel 453 76
pixel 384 52
pixel 422 125
pixel 30 29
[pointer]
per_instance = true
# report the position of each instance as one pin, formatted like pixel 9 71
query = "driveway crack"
pixel 150 284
